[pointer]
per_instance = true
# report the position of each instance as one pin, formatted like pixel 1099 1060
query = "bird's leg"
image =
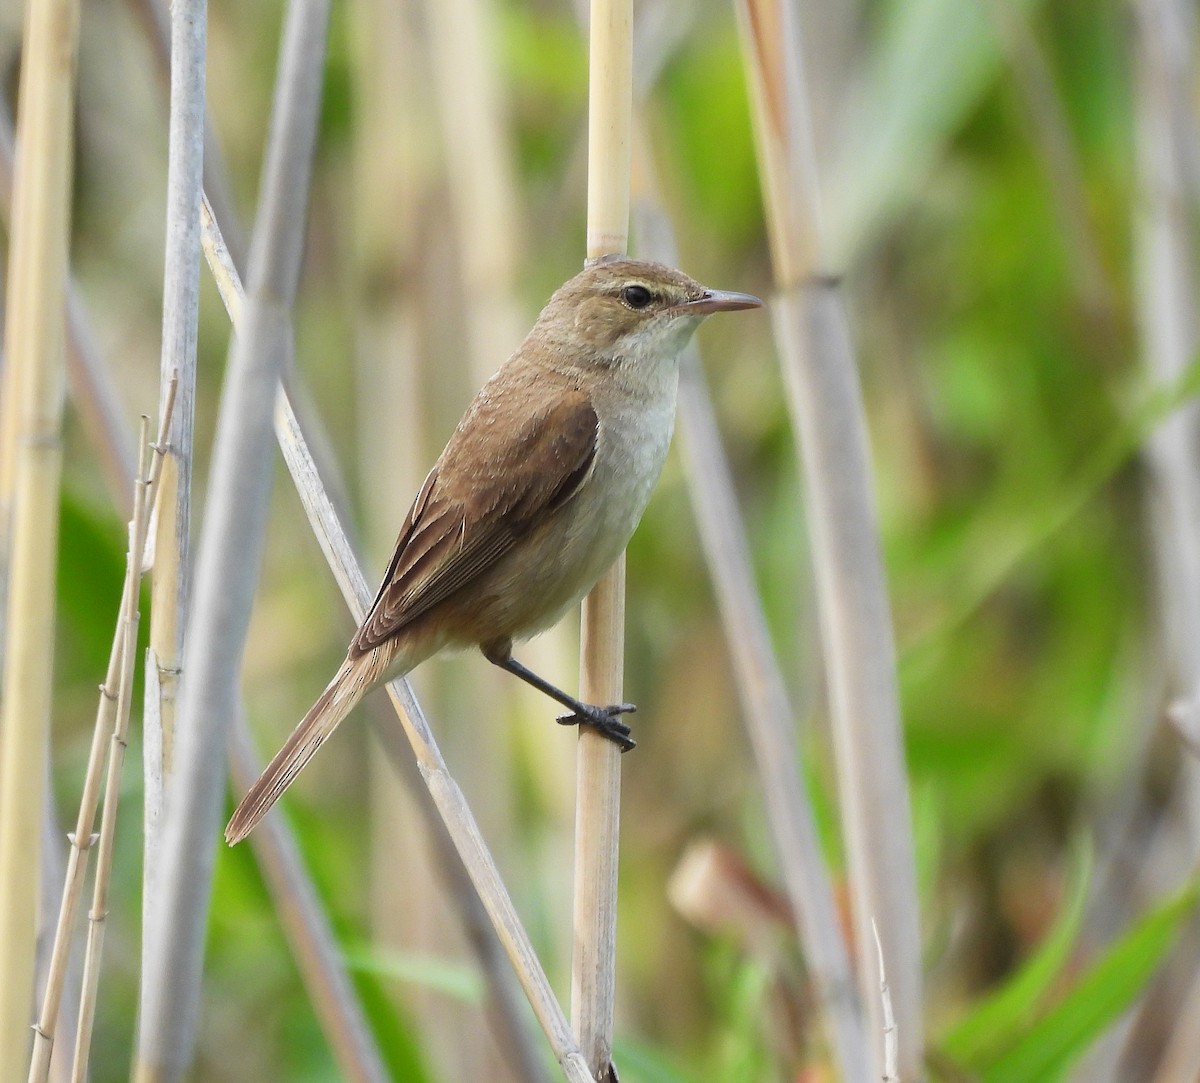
pixel 602 719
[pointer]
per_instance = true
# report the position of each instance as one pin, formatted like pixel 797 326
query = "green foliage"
pixel 1107 988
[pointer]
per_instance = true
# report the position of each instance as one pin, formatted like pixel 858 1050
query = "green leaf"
pixel 1111 984
pixel 998 1021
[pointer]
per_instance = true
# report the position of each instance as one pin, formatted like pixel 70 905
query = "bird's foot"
pixel 604 720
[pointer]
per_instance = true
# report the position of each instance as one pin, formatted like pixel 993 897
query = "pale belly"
pixel 525 594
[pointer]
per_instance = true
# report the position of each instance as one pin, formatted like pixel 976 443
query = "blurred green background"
pixel 983 197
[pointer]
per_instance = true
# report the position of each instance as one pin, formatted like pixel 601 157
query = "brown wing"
pixel 479 498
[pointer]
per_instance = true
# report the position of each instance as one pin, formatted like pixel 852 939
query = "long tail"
pixel 351 682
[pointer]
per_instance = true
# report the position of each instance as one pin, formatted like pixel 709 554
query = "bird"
pixel 535 495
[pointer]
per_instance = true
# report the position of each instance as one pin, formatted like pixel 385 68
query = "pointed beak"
pixel 719 301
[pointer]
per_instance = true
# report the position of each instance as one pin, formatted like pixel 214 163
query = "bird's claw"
pixel 604 721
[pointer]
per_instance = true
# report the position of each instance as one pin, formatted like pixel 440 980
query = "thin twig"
pixel 127 625
pixel 107 723
pixel 825 401
pixel 32 451
pixel 229 551
pixel 890 1045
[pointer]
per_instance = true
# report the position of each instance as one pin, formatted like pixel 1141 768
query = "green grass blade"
pixel 998 1021
pixel 1111 984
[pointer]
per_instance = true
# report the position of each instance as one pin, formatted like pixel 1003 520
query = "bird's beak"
pixel 718 301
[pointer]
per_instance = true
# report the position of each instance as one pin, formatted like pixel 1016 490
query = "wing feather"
pixel 469 513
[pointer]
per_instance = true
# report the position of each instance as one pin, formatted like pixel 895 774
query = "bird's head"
pixel 629 310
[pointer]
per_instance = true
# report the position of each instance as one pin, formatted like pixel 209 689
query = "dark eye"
pixel 636 296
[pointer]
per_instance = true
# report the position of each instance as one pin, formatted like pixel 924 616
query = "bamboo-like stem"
pixel 170 578
pixel 127 625
pixel 825 401
pixel 114 697
pixel 602 639
pixel 347 570
pixel 34 401
pixel 229 555
pixel 92 389
pixel 308 931
pixel 761 687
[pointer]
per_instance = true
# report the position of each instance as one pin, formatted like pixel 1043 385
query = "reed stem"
pixel 30 473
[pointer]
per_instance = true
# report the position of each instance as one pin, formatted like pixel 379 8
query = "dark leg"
pixel 602 719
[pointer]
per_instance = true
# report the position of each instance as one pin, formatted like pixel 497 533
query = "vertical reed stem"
pixel 34 386
pixel 825 401
pixel 172 528
pixel 229 554
pixel 598 774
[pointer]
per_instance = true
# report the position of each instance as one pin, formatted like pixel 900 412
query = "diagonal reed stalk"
pixel 30 473
pixel 509 1021
pixel 308 931
pixel 760 684
pixel 305 924
pixel 447 799
pixel 125 647
pixel 112 715
pixel 171 531
pixel 860 655
pixel 602 637
pixel 229 554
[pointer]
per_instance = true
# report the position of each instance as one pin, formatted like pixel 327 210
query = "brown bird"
pixel 534 497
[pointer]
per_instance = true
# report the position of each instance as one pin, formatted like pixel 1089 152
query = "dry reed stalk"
pixel 602 635
pixel 114 698
pixel 171 530
pixel 826 406
pixel 127 625
pixel 769 715
pixel 308 930
pixel 509 1024
pixel 229 555
pixel 92 389
pixel 34 401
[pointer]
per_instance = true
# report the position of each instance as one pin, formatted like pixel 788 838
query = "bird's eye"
pixel 636 296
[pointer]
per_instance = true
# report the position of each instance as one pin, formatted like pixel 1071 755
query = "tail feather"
pixel 350 683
